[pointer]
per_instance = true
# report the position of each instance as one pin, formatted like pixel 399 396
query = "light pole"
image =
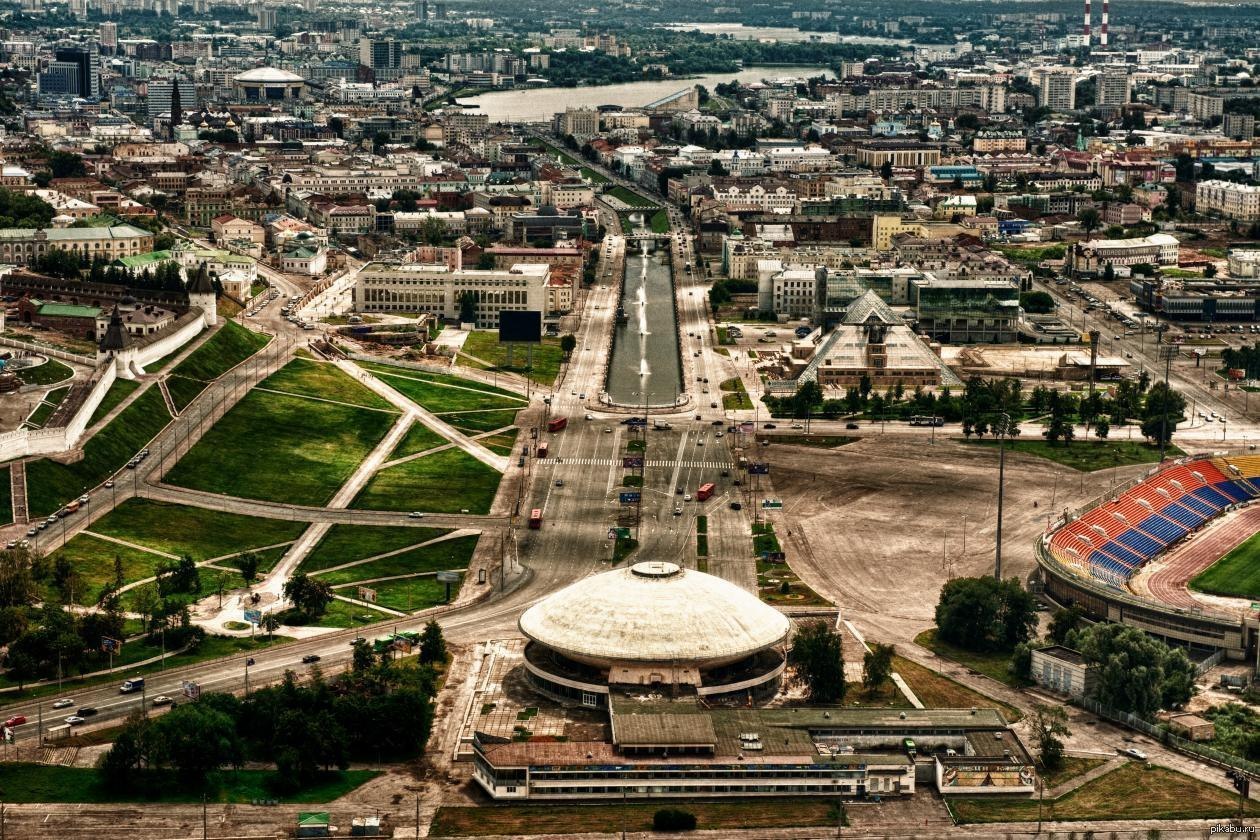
pixel 1167 352
pixel 997 558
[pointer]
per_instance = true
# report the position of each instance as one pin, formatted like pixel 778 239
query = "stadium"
pixel 1130 557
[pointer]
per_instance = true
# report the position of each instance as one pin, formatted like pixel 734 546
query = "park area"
pixel 482 350
pixel 224 350
pixel 449 481
pixel 296 438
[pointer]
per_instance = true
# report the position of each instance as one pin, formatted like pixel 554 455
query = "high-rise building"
pixel 265 17
pixel 380 54
pixel 108 32
pixel 1057 90
pixel 87 73
pixel 1238 126
pixel 1112 87
pixel 162 94
pixel 61 77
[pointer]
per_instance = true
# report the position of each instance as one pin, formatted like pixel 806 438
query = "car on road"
pixel 713 405
pixel 717 434
pixel 16 720
pixel 310 659
pixel 851 426
pixel 109 484
pixel 559 482
pixel 161 700
pixel 83 500
pixel 63 703
pixel 736 506
pixel 718 423
pixel 797 426
pixel 687 497
pixel 415 514
pixel 32 531
pixel 581 396
pixel 677 511
pixel 769 426
pixel 607 430
pixel 590 417
pixel 86 711
pixel 1134 752
pixel 74 720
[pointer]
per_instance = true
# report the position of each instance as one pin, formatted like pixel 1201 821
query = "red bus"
pixel 535 518
pixel 542 450
pixel 557 423
pixel 705 491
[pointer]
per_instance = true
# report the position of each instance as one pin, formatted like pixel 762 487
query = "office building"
pixel 1233 201
pixel 1112 88
pixel 1057 90
pixel 423 287
pixel 380 54
pixel 86 72
pixel 1238 126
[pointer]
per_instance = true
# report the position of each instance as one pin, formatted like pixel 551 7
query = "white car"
pixel 415 514
pixel 161 700
pixel 74 720
pixel 1134 752
pixel 63 703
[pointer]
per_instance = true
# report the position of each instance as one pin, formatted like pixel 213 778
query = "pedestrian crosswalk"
pixel 649 464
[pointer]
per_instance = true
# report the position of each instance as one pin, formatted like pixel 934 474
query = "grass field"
pixel 994 665
pixel 93 558
pixel 347 543
pixel 223 351
pixel 1087 456
pixel 938 691
pixel 659 221
pixel 502 443
pixel 444 482
pixel 341 615
pixel 325 381
pixel 1132 791
pixel 119 391
pixel 820 441
pixel 630 197
pixel 557 818
pixel 419 438
pixel 1236 574
pixel 481 421
pixel 440 378
pixel 453 554
pixel 1072 767
pixel 23 783
pixel 282 448
pixel 484 344
pixel 49 484
pixel 409 594
pixel 439 397
pixel 49 372
pixel 198 532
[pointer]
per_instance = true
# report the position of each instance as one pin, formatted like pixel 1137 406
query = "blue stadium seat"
pixel 1123 554
pixel 1235 491
pixel 1213 496
pixel 1183 515
pixel 1142 545
pixel 1162 529
pixel 1194 503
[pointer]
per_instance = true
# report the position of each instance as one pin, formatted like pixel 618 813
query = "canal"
pixel 645 365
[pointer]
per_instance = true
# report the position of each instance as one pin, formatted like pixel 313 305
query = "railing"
pixel 46 350
pixel 1168 739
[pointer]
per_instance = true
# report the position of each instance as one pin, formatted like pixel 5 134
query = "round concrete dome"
pixel 654 612
pixel 268 75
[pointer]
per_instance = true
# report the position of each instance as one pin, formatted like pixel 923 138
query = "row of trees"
pixel 817 660
pixel 379 711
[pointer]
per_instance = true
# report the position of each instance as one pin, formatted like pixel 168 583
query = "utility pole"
pixel 1166 352
pixel 997 559
pixel 205 819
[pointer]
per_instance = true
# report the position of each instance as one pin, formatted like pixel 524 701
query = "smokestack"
pixel 1089 19
pixel 1102 36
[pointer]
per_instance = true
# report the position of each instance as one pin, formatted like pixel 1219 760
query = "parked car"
pixel 1134 752
pixel 415 514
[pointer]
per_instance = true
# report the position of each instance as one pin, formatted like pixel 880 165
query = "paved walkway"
pixel 437 424
pixel 1085 778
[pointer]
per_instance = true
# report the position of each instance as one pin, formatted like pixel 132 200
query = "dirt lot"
pixel 879 515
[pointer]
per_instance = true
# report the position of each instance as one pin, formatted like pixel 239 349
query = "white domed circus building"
pixel 654 626
pixel 268 84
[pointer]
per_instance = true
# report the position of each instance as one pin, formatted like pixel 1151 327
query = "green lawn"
pixel 183 390
pixel 37 418
pixel 410 594
pixel 481 421
pixel 1071 767
pixel 93 559
pixel 444 482
pixel 937 691
pixel 49 372
pixel 347 543
pixel 610 818
pixel 341 615
pixel 6 497
pixel 1087 456
pixel 1236 574
pixel 419 438
pixel 630 197
pixel 1130 792
pixel 503 443
pixel 282 448
pixel 119 391
pixel 447 555
pixel 49 484
pixel 995 665
pixel 659 221
pixel 323 380
pixel 198 532
pixel 226 349
pixel 439 397
pixel 22 783
pixel 484 344
pixel 441 378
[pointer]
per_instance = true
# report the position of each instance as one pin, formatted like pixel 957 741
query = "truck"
pixel 705 492
pixel 555 424
pixel 131 686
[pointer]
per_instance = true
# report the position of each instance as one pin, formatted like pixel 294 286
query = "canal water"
pixel 645 360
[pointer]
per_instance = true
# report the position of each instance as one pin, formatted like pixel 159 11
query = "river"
pixel 539 104
pixel 645 347
pixel 785 34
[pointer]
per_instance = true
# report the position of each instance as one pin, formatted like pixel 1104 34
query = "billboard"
pixel 366 594
pixel 632 462
pixel 191 690
pixel 520 327
pixel 630 498
pixel 758 469
pixel 109 645
pixel 253 616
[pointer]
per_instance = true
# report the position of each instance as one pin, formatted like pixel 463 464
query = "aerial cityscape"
pixel 434 418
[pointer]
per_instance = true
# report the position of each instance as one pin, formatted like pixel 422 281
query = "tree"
pixel 818 660
pixel 247 563
pixel 59 262
pixel 1048 725
pixel 432 644
pixel 877 666
pixel 568 343
pixel 1064 622
pixel 1135 672
pixel 1036 302
pixel 1109 273
pixel 379 141
pixel 310 596
pixel 1102 428
pixel 468 307
pixel 984 614
pixel 1089 220
pixel 1209 270
pixel 886 170
pixel 1162 401
pixel 196 739
pixel 66 165
pixel 361 656
pixel 270 623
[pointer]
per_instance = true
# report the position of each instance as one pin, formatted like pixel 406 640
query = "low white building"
pixel 1244 263
pixel 436 288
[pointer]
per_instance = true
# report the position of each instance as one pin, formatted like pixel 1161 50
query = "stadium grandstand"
pixel 1090 558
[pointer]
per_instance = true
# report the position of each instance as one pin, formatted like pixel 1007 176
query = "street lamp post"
pixel 997 558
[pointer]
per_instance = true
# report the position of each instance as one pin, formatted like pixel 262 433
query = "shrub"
pixel 673 819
